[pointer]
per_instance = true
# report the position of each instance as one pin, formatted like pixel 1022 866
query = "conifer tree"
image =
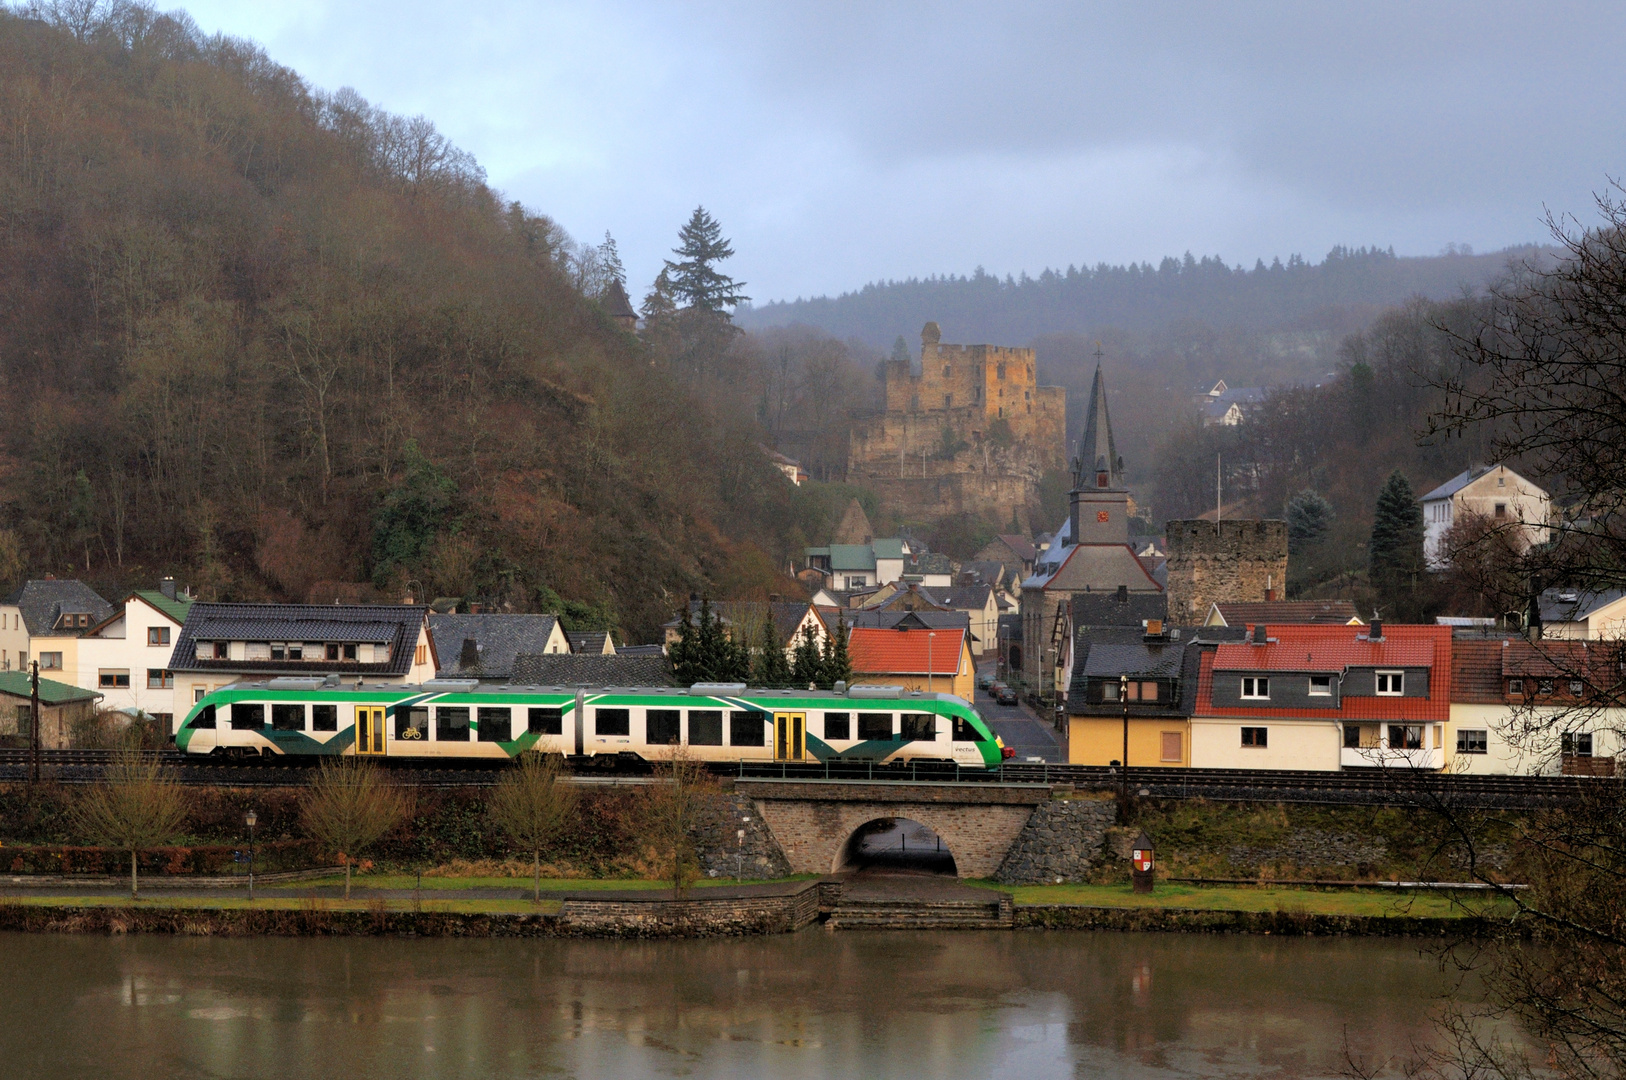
pixel 837 666
pixel 808 667
pixel 609 258
pixel 772 669
pixel 1309 516
pixel 1396 549
pixel 695 279
pixel 900 351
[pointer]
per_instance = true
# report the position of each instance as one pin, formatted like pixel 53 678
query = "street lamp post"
pixel 930 634
pixel 251 819
pixel 1123 699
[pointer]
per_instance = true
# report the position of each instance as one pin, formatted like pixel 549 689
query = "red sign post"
pixel 1142 861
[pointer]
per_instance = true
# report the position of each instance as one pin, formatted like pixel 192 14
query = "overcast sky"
pixel 841 143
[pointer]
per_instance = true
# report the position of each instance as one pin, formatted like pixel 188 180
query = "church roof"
pixel 1097 452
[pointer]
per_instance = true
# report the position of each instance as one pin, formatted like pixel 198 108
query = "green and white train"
pixel 456 720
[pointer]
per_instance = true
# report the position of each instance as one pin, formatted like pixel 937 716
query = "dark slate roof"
pixel 43 602
pixel 498 638
pixel 1111 659
pixel 1106 609
pixel 1106 652
pixel 963 596
pixel 931 562
pixel 395 624
pixel 1011 626
pixel 640 650
pixel 581 669
pixel 1574 605
pixel 615 302
pixel 16 683
pixel 988 571
pixel 585 641
pixel 929 620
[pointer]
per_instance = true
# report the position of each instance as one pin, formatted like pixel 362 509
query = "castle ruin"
pixel 972 433
pixel 1225 562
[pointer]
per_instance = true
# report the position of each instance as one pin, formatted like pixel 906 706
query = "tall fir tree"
pixel 1309 516
pixel 808 667
pixel 837 665
pixel 696 281
pixel 771 669
pixel 705 652
pixel 1396 550
pixel 900 352
pixel 609 257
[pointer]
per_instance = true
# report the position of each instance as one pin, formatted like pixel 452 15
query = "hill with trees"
pixel 283 344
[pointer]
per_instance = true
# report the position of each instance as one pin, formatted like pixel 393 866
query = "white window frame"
pixel 1396 681
pixel 1255 688
pixel 1325 691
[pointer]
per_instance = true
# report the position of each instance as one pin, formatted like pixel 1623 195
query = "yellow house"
pixel 1130 692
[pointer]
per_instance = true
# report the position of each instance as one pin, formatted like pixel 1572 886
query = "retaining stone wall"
pixel 695 916
pixel 1061 840
pixel 722 852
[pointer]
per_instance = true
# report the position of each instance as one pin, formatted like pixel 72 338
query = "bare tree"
pixel 350 806
pixel 672 811
pixel 531 803
pixel 137 806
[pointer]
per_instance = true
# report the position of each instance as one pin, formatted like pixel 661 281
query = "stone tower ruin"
pixel 1225 561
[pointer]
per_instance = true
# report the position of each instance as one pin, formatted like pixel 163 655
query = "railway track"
pixel 1394 787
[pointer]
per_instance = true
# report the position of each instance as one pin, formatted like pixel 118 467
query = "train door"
pixel 789 736
pixel 369 729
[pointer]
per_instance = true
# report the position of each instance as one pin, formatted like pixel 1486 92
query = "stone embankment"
pixel 1061 842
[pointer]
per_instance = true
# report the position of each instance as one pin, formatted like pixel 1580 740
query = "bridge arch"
pixel 895 843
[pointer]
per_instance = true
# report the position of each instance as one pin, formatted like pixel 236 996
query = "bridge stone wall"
pixel 813 820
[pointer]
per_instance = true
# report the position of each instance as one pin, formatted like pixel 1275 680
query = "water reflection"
pixel 811 1004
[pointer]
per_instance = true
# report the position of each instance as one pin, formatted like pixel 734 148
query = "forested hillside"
pixel 274 340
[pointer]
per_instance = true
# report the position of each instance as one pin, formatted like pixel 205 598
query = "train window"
pixel 451 723
pixel 705 727
pixel 287 717
pixel 547 722
pixel 412 724
pixel 919 727
pixel 245 717
pixel 875 725
pixel 205 718
pixel 747 728
pixel 838 725
pixel 964 732
pixel 612 722
pixel 496 724
pixel 324 718
pixel 663 727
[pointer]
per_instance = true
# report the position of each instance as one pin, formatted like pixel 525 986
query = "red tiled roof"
pixel 875 651
pixel 1333 648
pixel 1476 672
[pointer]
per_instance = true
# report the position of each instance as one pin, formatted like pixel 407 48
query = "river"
pixel 813 1004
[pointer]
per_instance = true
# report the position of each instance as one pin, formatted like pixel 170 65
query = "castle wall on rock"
pixel 1226 561
pixel 972 433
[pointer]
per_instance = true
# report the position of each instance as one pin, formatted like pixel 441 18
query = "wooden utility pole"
pixel 34 724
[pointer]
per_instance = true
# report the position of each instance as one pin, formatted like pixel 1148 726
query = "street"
pixel 1033 739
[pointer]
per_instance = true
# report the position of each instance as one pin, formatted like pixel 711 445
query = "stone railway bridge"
pixel 1015 832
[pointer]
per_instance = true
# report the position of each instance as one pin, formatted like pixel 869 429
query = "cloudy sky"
pixel 841 143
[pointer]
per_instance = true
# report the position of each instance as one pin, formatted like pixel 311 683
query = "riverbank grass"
pixel 1372 903
pixel 455 905
pixel 429 884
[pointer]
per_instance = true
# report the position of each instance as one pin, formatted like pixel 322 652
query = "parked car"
pixel 1006 696
pixel 985 681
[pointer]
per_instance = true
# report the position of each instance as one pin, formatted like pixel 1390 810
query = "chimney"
pixel 167 587
pixel 1123 594
pixel 1270 587
pixel 1154 629
pixel 1375 631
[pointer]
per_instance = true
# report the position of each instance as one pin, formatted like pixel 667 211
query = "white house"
pixel 1584 614
pixel 1494 493
pixel 125 657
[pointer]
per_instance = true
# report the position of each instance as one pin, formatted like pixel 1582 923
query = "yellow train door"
pixel 789 736
pixel 369 729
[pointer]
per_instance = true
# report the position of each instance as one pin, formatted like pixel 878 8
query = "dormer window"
pixel 1391 683
pixel 1515 686
pixel 1255 688
pixel 222 650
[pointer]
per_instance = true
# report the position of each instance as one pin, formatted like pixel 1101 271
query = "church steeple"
pixel 1099 502
pixel 1097 464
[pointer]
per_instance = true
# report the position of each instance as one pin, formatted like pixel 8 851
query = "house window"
pixel 874 726
pixel 948 401
pixel 1000 371
pixel 1576 688
pixel 1391 683
pixel 1544 687
pixel 287 717
pixel 296 650
pixel 837 725
pixel 349 652
pixel 1352 736
pixel 222 650
pixel 412 724
pixel 159 679
pixel 113 680
pixel 612 722
pixel 1169 750
pixel 1576 743
pixel 1515 686
pixel 706 727
pixel 1256 736
pixel 1109 691
pixel 50 661
pixel 1501 510
pixel 452 723
pixel 1321 686
pixel 1405 736
pixel 1472 740
pixel 157 635
pixel 663 727
pixel 325 718
pixel 747 727
pixel 279 650
pixel 1255 688
pixel 198 692
pixel 496 724
pixel 420 656
pixel 332 651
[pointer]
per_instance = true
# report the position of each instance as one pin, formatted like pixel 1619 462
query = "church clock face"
pixel 1101 515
